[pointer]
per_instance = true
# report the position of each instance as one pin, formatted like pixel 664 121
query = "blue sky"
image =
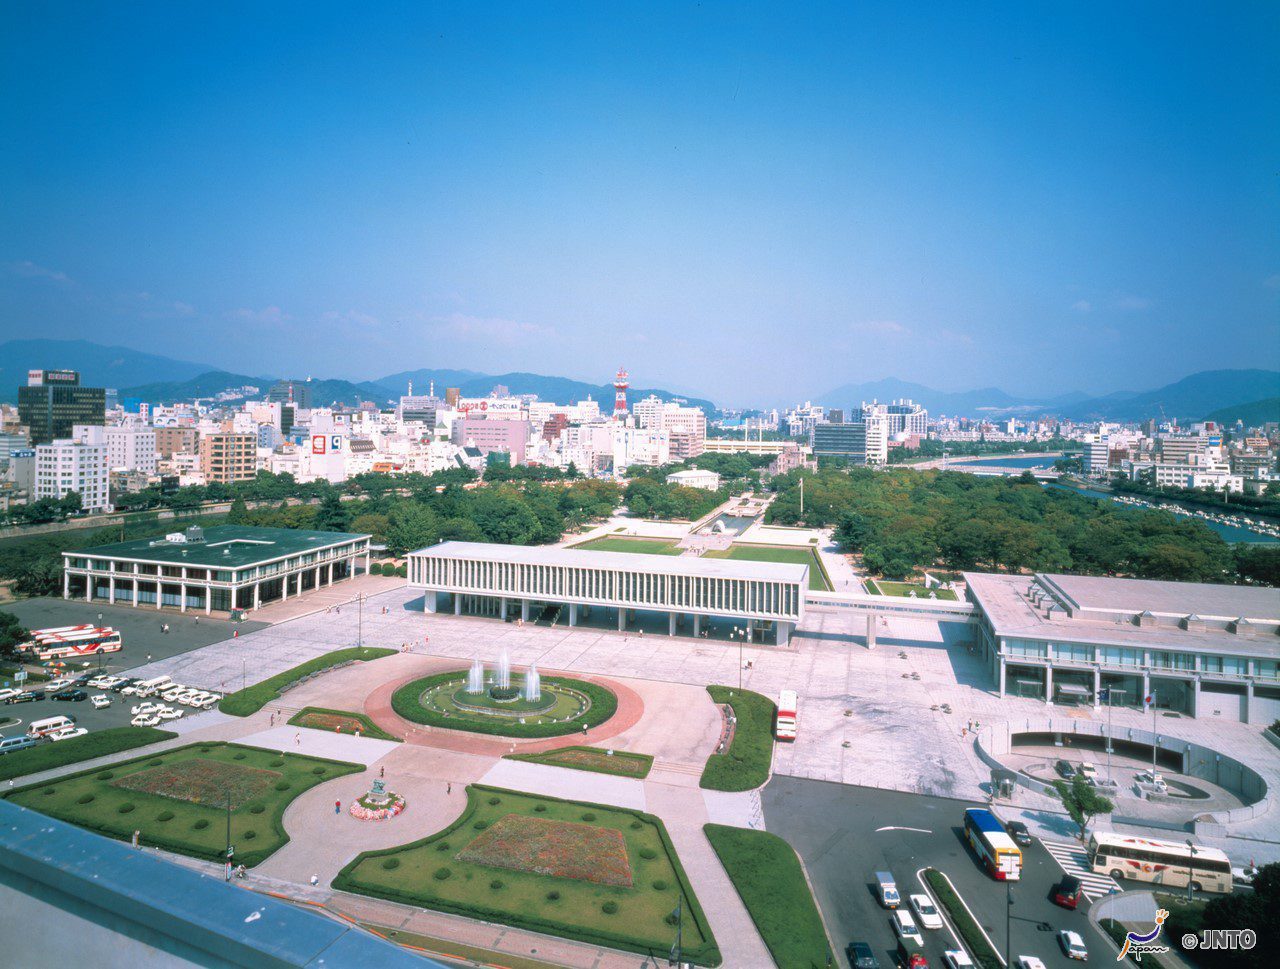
pixel 752 202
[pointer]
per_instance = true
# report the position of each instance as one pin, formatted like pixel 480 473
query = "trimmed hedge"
pixel 767 874
pixel 99 743
pixel 250 700
pixel 745 765
pixel 375 568
pixel 984 957
pixel 549 758
pixel 368 727
pixel 406 701
pixel 707 955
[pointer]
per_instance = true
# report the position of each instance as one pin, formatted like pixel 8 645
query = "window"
pixel 1165 660
pixel 1073 652
pixel 1025 649
pixel 1119 656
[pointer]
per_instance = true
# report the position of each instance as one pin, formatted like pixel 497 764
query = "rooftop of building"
pixel 621 561
pixel 223 546
pixel 1131 612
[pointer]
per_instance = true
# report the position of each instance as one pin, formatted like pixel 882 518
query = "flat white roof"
pixel 620 561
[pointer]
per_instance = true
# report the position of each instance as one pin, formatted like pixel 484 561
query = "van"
pixel 10 744
pixel 42 728
pixel 152 686
pixel 887 889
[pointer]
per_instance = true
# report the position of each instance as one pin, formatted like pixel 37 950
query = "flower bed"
pixel 372 812
pixel 562 849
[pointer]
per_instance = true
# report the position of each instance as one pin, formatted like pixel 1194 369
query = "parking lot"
pixel 845 834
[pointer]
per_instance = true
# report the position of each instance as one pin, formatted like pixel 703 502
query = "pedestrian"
pixel 297 739
pixel 382 771
pixel 337 807
pixel 448 788
pixel 273 719
pixel 315 879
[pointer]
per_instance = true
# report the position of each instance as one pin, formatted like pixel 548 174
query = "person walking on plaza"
pixel 337 807
pixel 448 788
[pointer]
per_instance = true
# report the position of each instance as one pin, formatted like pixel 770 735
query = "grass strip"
pixel 745 765
pixel 975 942
pixel 318 714
pixel 51 754
pixel 768 876
pixel 246 702
pixel 621 763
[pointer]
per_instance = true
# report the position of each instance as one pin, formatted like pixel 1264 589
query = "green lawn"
pixel 641 546
pixel 885 587
pixel 620 762
pixel 244 703
pixel 407 702
pixel 745 765
pixel 190 817
pixel 99 743
pixel 603 875
pixel 767 874
pixel 787 554
pixel 339 721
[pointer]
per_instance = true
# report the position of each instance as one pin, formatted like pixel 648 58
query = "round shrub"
pixel 249 835
pixel 278 762
pixel 85 799
pixel 201 824
pixel 155 763
pixel 496 884
pixel 257 809
pixel 539 808
pixel 402 572
pixel 670 918
pixel 553 896
pixel 126 808
pixel 205 750
pixel 609 908
pixel 49 790
pixel 648 854
pixel 440 874
pixel 164 816
pixel 240 756
pixel 659 885
pixel 637 824
pixel 390 864
pixel 495 800
pixel 318 771
pixel 106 775
pixel 282 785
pixel 442 846
pixel 375 568
pixel 589 816
pixel 480 825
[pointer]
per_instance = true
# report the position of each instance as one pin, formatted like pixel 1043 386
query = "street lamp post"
pixel 360 620
pixel 1191 877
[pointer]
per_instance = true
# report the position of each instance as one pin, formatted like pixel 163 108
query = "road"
pixel 845 834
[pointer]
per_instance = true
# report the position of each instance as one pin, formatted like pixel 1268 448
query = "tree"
pixel 239 513
pixel 1258 910
pixel 410 526
pixel 1082 801
pixel 70 503
pixel 333 515
pixel 11 633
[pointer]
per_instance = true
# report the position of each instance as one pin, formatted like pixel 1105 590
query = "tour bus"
pixel 50 725
pixel 151 687
pixel 46 644
pixel 1171 863
pixel 992 843
pixel 785 725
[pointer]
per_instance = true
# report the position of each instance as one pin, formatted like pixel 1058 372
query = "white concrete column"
pixel 622 620
pixel 871 630
pixel 88 587
pixel 1195 696
pixel 430 601
pixel 182 597
pixel 330 573
pixel 1048 684
pixel 1146 688
pixel 208 599
pixel 257 595
pixel 697 625
pixel 784 633
pixel 135 592
pixel 1097 687
pixel 573 614
pixel 366 562
pixel 524 610
pixel 317 576
pixel 1002 675
pixel 502 608
pixel 1248 701
pixel 457 604
pixel 111 586
pixel 671 624
pixel 66 584
pixel 285 587
pixel 159 591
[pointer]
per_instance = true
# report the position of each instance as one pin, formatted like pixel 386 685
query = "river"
pixel 1231 533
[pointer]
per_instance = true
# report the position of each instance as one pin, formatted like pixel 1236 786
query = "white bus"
pixel 47 644
pixel 1171 863
pixel 785 725
pixel 49 725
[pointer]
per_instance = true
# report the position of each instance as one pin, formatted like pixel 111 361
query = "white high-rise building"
pixel 131 448
pixel 64 465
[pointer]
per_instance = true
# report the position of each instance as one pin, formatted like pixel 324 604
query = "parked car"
pixel 26 696
pixel 1073 945
pixel 905 926
pixel 957 959
pixel 9 745
pixel 1030 962
pixel 70 696
pixel 1018 832
pixel 1089 772
pixel 68 733
pixel 7 692
pixel 861 956
pixel 1068 892
pixel 101 701
pixel 929 916
pixel 1065 769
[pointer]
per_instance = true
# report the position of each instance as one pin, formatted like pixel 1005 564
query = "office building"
pixel 64 465
pixel 53 402
pixel 908 419
pixel 172 439
pixel 296 392
pixel 695 478
pixel 489 435
pixel 131 448
pixel 227 457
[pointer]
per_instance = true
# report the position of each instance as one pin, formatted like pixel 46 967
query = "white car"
pixel 143 709
pixel 172 693
pixel 169 713
pixel 1073 945
pixel 905 926
pixel 67 733
pixel 957 959
pixel 1089 772
pixel 1030 962
pixel 100 701
pixel 8 692
pixel 60 683
pixel 210 703
pixel 929 916
pixel 145 720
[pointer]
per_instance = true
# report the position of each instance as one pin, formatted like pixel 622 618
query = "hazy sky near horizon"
pixel 753 202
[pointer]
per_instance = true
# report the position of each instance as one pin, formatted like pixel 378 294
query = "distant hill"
pixel 559 389
pixel 1253 414
pixel 99 366
pixel 323 392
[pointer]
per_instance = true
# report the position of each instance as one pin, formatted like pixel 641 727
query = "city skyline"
pixel 794 201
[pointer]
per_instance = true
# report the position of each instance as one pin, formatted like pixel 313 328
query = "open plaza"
pixel 528 729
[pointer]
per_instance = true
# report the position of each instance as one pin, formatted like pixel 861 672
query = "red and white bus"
pixel 991 843
pixel 785 725
pixel 47 644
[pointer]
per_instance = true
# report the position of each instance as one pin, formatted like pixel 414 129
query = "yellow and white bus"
pixel 1171 863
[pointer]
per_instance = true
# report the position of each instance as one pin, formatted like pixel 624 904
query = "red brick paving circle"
pixel 377 706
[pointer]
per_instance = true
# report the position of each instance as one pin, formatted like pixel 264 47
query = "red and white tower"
pixel 621 382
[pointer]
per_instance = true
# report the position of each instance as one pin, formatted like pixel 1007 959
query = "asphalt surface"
pixel 846 834
pixel 144 639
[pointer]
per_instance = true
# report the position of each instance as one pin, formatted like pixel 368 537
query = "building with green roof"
pixel 224 568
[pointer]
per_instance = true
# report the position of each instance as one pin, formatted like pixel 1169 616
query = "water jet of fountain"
pixel 533 685
pixel 475 677
pixel 504 671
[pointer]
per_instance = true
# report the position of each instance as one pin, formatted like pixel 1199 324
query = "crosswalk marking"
pixel 1074 860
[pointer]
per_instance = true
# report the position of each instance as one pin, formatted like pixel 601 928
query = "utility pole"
pixel 1155 741
pixel 360 620
pixel 1191 877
